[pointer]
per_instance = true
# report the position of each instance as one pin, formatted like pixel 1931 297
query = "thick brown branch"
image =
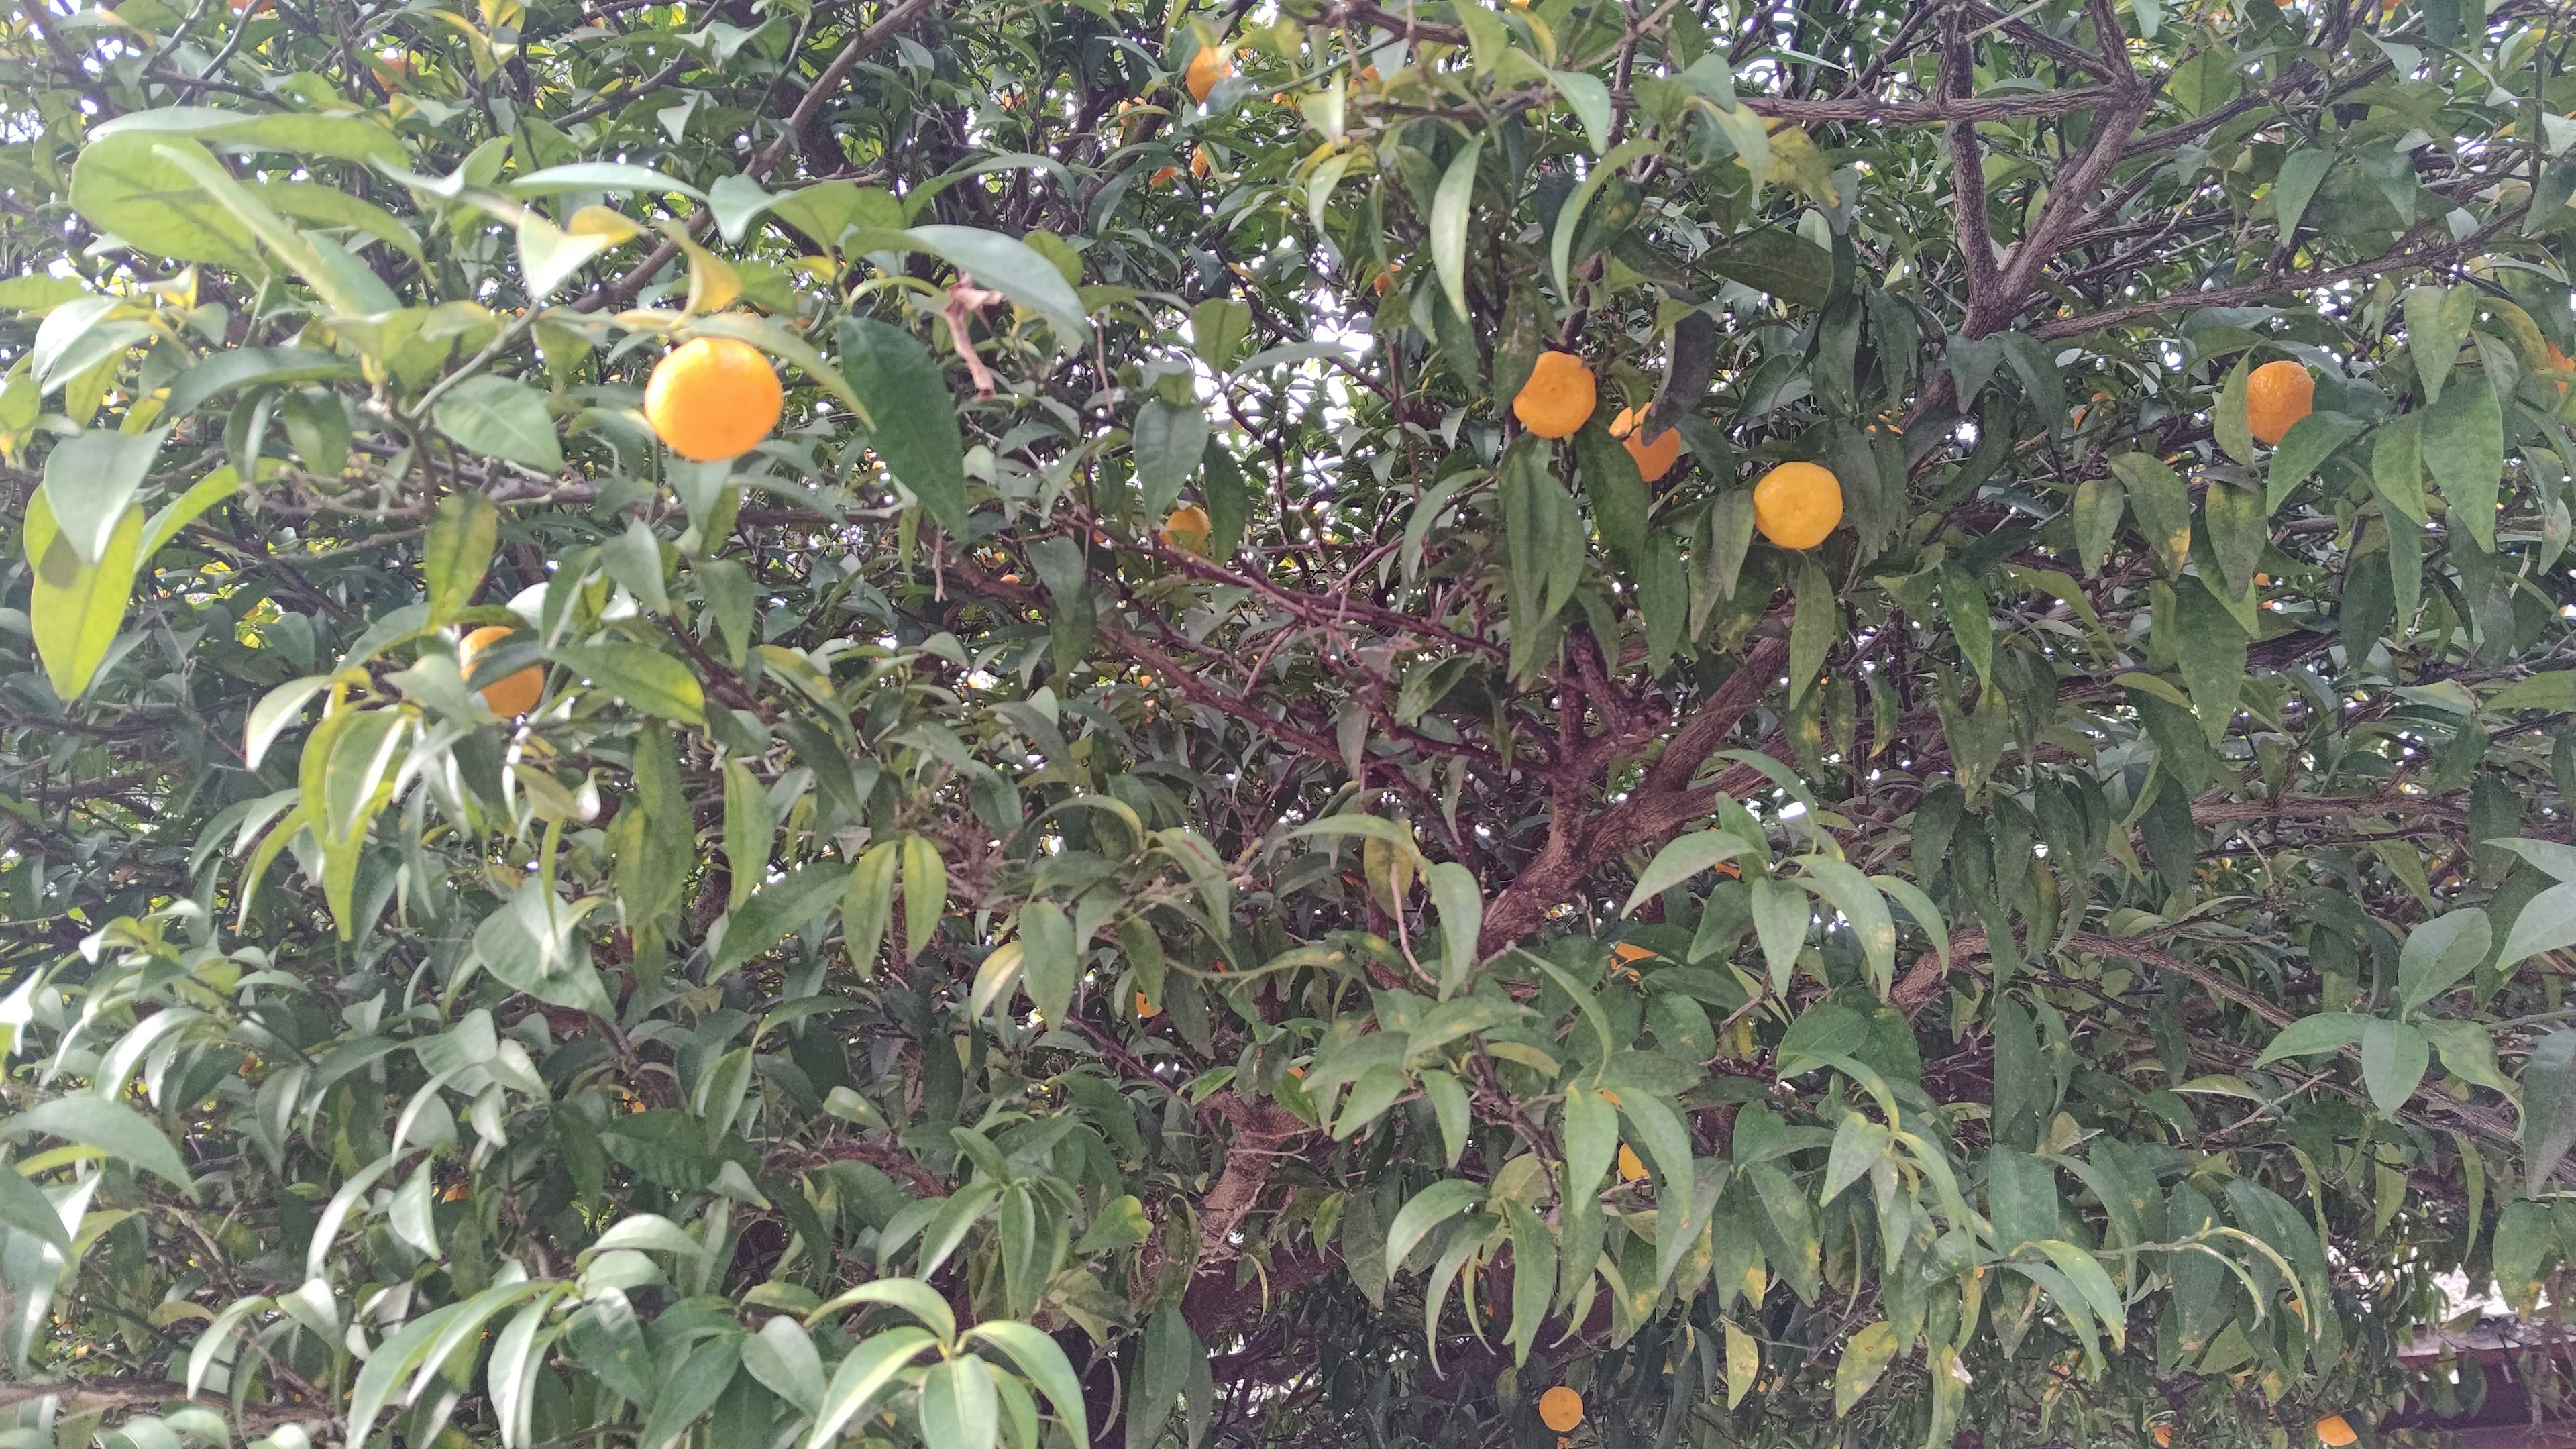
pixel 1662 805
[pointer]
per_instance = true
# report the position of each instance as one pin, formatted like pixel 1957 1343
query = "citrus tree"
pixel 988 722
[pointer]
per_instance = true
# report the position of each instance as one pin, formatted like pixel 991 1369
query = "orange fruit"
pixel 1207 67
pixel 2333 1432
pixel 712 397
pixel 2277 395
pixel 1630 1169
pixel 507 697
pixel 1163 177
pixel 1627 951
pixel 1797 504
pixel 2164 1436
pixel 1146 1010
pixel 1560 1408
pixel 1187 529
pixel 1200 165
pixel 2560 362
pixel 1654 457
pixel 1558 397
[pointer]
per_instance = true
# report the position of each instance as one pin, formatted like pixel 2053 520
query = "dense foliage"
pixel 1153 866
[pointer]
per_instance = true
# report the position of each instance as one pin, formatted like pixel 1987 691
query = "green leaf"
pixel 864 1376
pixel 124 187
pixel 74 608
pixel 1533 1276
pixel 2235 434
pixel 693 1389
pixel 2162 506
pixel 925 892
pixel 2212 648
pixel 913 416
pixel 462 536
pixel 1429 1208
pixel 222 372
pixel 2099 503
pixel 1781 263
pixel 777 908
pixel 2437 318
pixel 24 1207
pixel 1863 909
pixel 90 482
pixel 1589 99
pixel 2324 1032
pixel 1162 1372
pixel 2301 170
pixel 2464 449
pixel 1013 268
pixel 1780 924
pixel 1813 628
pixel 2548 1106
pixel 1743 1363
pixel 1169 441
pixel 867 905
pixel 1217 329
pixel 2394 1057
pixel 1621 505
pixel 1039 1358
pixel 499 418
pixel 648 679
pixel 1684 857
pixel 1865 1358
pixel 2239 531
pixel 1450 205
pixel 1461 903
pixel 343 137
pixel 2440 953
pixel 2547 923
pixel 1050 959
pixel 2304 449
pixel 111 1127
pixel 959 1409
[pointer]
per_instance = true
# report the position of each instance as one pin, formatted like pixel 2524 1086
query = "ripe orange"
pixel 1654 458
pixel 1207 67
pixel 1797 504
pixel 712 397
pixel 2164 1436
pixel 1163 177
pixel 1558 397
pixel 2277 395
pixel 2560 362
pixel 507 697
pixel 1187 529
pixel 1628 951
pixel 1560 1408
pixel 1200 165
pixel 2333 1432
pixel 1146 1010
pixel 1630 1169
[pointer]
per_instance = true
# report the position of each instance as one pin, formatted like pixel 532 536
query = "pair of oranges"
pixel 2332 1431
pixel 1795 505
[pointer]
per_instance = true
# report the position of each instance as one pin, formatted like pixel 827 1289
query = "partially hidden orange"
pixel 1187 529
pixel 712 397
pixel 1630 1168
pixel 2277 395
pixel 2333 1432
pixel 1656 455
pixel 1797 504
pixel 1560 1408
pixel 1559 396
pixel 2164 1436
pixel 511 695
pixel 1207 67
